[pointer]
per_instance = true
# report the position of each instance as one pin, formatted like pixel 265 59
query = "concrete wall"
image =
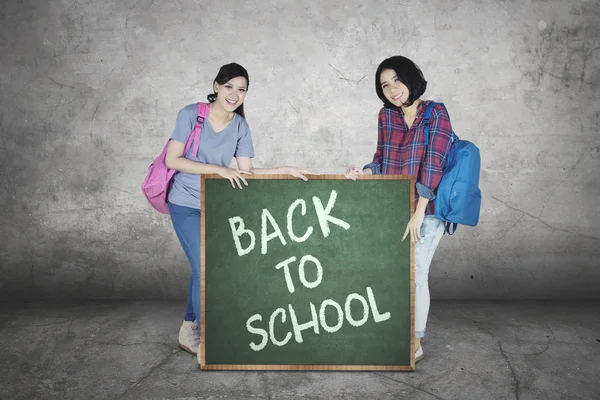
pixel 89 92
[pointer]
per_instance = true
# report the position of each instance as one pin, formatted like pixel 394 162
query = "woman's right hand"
pixel 353 173
pixel 234 175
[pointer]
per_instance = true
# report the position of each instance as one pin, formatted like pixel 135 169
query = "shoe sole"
pixel 187 349
pixel 418 359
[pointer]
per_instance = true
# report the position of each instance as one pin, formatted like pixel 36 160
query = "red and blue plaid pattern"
pixel 402 151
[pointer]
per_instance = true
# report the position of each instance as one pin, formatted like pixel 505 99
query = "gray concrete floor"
pixel 128 350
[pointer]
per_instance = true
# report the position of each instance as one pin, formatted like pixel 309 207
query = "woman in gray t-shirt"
pixel 225 134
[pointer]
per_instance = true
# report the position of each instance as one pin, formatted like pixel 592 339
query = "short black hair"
pixel 409 74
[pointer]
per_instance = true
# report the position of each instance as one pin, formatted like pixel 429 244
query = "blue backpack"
pixel 458 198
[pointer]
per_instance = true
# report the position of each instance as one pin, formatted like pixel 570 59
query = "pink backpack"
pixel 157 183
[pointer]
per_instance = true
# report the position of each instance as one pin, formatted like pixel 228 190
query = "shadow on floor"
pixel 128 350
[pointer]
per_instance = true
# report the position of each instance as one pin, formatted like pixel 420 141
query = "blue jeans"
pixel 432 231
pixel 186 222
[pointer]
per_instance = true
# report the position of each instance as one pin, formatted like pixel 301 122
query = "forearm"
pixel 422 205
pixel 182 164
pixel 266 171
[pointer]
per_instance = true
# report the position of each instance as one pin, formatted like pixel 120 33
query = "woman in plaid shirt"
pixel 399 83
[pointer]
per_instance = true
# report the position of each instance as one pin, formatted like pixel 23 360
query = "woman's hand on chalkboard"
pixel 353 173
pixel 234 175
pixel 414 226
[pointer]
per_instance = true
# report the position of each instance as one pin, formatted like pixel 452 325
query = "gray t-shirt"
pixel 215 148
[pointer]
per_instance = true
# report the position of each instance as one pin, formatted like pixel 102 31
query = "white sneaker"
pixel 189 337
pixel 419 354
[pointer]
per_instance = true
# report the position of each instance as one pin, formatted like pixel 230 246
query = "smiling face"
pixel 393 89
pixel 232 93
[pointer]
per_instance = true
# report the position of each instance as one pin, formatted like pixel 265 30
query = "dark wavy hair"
pixel 408 73
pixel 226 73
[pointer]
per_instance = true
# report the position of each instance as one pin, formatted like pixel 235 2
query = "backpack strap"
pixel 203 110
pixel 427 117
pixel 447 226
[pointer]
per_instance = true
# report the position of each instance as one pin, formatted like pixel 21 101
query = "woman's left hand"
pixel 414 226
pixel 297 172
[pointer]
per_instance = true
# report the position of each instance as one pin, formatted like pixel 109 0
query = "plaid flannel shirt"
pixel 402 151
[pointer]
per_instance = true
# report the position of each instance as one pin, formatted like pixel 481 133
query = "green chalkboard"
pixel 307 275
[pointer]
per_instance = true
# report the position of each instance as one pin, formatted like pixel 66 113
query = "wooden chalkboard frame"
pixel 303 367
